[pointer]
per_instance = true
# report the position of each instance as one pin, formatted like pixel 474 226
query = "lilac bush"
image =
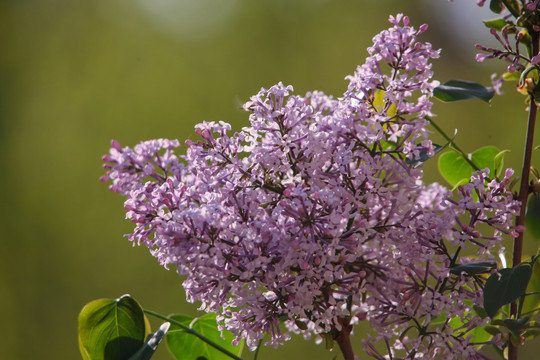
pixel 315 216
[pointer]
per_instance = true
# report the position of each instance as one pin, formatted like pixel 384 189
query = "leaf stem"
pixel 257 350
pixel 453 144
pixel 524 193
pixel 193 332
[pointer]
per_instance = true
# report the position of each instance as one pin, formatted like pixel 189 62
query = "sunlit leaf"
pixel 496 24
pixel 478 334
pixel 504 287
pixel 455 90
pixel 380 104
pixel 499 162
pixel 454 168
pixel 511 76
pixel 185 346
pixel 111 329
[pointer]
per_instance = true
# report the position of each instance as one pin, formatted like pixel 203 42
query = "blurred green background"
pixel 75 74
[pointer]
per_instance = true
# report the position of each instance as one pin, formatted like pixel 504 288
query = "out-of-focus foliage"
pixel 75 74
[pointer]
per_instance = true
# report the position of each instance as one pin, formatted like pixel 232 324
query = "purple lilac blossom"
pixel 313 218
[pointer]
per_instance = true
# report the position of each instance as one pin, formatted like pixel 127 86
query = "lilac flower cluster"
pixel 315 216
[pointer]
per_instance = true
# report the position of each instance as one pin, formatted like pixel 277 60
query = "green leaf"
pixel 514 325
pixel 380 104
pixel 111 329
pixel 438 319
pixel 532 302
pixel 478 334
pixel 185 346
pixel 496 6
pixel 496 24
pixel 499 162
pixel 454 168
pixel 511 76
pixel 493 330
pixel 532 216
pixel 531 334
pixel 504 287
pixel 480 311
pixel 152 342
pixel 455 90
pixel 513 6
pixel 473 268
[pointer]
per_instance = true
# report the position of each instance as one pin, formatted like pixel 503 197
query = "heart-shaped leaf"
pixel 454 168
pixel 111 329
pixel 455 90
pixel 504 287
pixel 185 346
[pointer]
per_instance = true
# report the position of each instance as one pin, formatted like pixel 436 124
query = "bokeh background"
pixel 75 74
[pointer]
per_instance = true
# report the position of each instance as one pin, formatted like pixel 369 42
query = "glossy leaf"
pixel 532 216
pixel 473 268
pixel 151 344
pixel 455 90
pixel 111 329
pixel 504 287
pixel 185 346
pixel 454 168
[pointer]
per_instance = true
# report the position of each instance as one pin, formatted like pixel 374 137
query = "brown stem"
pixel 524 191
pixel 343 338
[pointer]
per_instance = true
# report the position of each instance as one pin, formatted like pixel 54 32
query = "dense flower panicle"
pixel 128 167
pixel 316 216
